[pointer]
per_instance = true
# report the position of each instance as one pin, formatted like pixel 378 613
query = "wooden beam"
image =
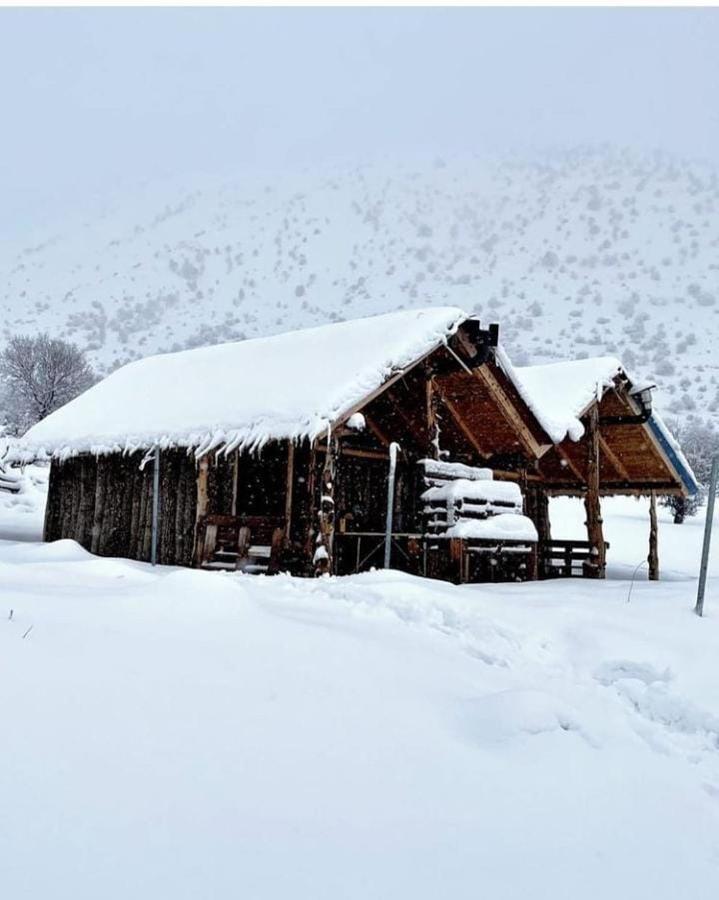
pixel 383 387
pixel 571 465
pixel 376 430
pixel 613 459
pixel 459 421
pixel 432 419
pixel 508 475
pixel 612 489
pixel 359 452
pixel 484 374
pixel 411 426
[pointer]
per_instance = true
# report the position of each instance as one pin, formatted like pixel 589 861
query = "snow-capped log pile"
pixel 437 472
pixel 246 393
pixel 473 506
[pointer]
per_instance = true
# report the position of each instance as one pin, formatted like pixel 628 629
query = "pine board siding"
pixel 105 504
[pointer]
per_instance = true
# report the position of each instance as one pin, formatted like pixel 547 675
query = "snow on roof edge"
pixel 559 416
pixel 671 447
pixel 393 342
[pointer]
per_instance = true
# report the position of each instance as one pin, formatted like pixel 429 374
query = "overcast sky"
pixel 91 97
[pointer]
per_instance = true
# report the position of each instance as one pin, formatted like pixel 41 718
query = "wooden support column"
pixel 536 506
pixel 324 545
pixel 202 507
pixel 595 567
pixel 544 525
pixel 432 417
pixel 288 490
pixel 653 558
pixel 203 470
pixel 235 481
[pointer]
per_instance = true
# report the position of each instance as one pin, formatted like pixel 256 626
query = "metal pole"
pixel 699 608
pixel 155 503
pixel 393 448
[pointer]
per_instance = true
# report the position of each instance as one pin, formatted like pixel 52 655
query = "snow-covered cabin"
pixel 274 453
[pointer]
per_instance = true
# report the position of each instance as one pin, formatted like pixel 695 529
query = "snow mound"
pixel 22 508
pixel 502 527
pixel 511 714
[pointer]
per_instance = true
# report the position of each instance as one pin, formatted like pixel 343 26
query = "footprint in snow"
pixel 618 669
pixel 514 714
pixel 647 690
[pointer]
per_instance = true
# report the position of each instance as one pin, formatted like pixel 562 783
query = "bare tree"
pixel 39 375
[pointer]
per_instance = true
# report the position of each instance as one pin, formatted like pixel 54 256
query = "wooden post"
pixel 536 507
pixel 323 554
pixel 393 448
pixel 202 505
pixel 595 567
pixel 432 418
pixel 288 490
pixel 235 481
pixel 155 505
pixel 456 554
pixel 202 477
pixel 533 563
pixel 653 558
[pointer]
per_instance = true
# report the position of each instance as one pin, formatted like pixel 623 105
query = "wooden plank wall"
pixel 105 504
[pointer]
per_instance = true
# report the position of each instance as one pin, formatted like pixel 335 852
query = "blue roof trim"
pixel 687 478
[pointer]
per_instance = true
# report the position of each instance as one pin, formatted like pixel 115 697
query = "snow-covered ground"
pixel 172 734
pixel 21 513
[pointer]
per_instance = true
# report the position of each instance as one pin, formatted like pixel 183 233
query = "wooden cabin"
pixel 277 453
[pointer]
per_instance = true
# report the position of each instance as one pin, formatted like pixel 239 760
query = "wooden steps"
pixel 227 545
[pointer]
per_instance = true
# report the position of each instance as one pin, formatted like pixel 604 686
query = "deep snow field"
pixel 172 734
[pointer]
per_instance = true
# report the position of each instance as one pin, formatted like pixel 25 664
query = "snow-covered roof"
pixel 559 393
pixel 245 393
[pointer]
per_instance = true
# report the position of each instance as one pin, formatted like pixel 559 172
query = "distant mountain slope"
pixel 588 252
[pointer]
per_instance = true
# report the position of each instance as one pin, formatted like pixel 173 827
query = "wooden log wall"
pixel 220 483
pixel 105 504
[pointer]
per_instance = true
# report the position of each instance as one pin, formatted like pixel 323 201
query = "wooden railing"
pixel 247 543
pixel 566 559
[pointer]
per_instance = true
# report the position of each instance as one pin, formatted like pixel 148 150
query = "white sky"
pixel 93 97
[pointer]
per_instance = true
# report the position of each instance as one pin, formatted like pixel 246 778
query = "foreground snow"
pixel 22 513
pixel 178 734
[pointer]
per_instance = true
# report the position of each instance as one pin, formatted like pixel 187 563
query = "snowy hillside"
pixel 592 252
pixel 181 734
